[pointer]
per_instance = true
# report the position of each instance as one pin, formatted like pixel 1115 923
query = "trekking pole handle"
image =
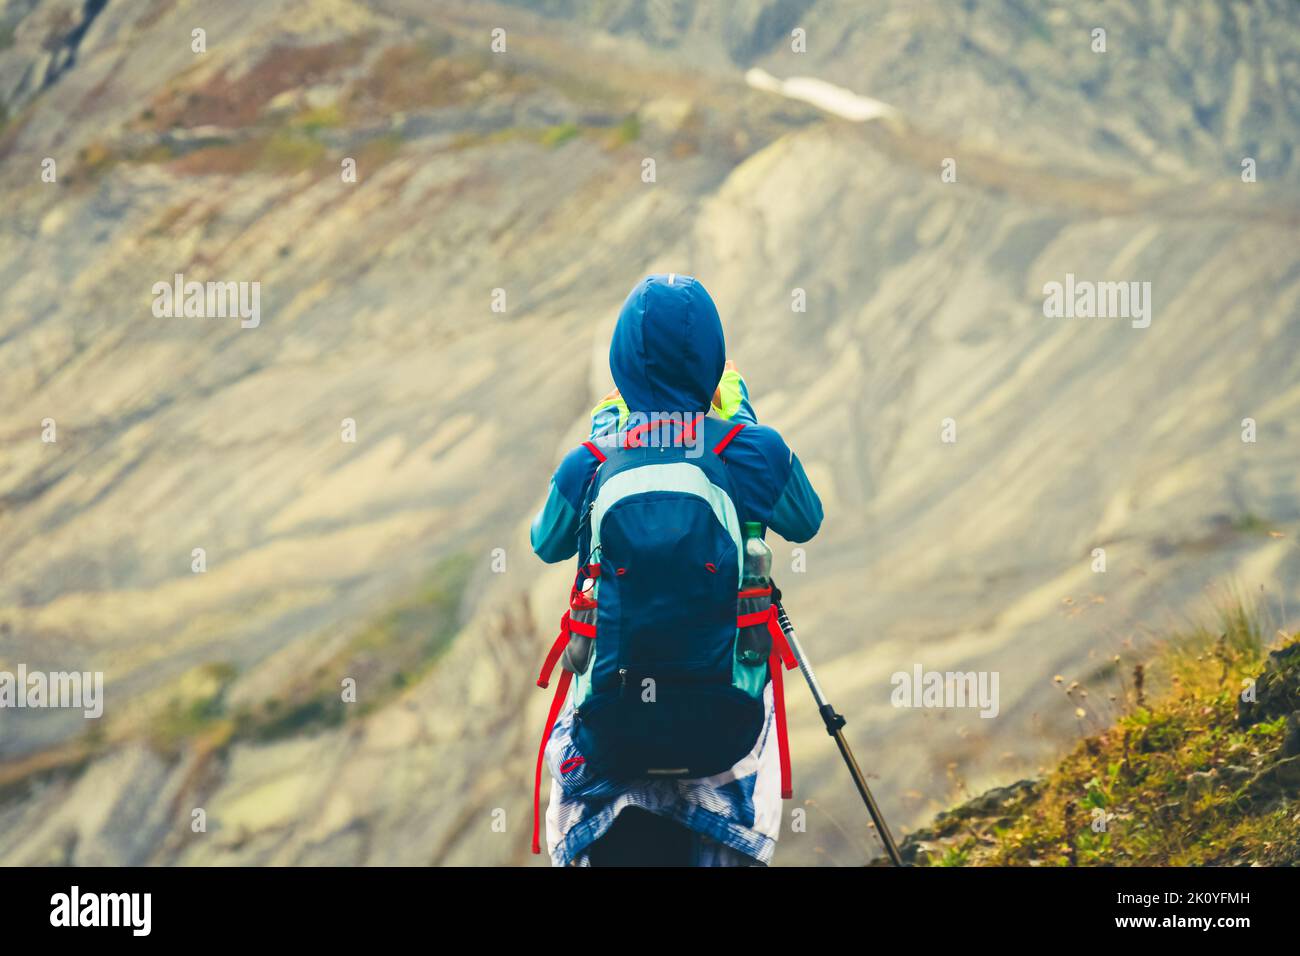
pixel 833 720
pixel 792 639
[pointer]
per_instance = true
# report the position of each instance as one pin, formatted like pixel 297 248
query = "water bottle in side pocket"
pixel 754 643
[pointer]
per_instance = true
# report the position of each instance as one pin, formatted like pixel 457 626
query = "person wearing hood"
pixel 668 360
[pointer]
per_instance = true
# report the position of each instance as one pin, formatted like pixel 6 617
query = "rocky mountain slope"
pixel 522 171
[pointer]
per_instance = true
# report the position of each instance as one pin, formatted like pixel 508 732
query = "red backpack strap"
pixel 596 452
pixel 557 648
pixel 781 654
pixel 726 439
pixel 568 627
pixel 561 691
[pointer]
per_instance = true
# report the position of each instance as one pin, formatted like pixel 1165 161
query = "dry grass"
pixel 1180 780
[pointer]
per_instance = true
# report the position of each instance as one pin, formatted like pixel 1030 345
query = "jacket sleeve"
pixel 771 485
pixel 554 533
pixel 797 514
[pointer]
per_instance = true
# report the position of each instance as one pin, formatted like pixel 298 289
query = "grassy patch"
pixel 196 708
pixel 96 158
pixel 393 652
pixel 628 131
pixel 1194 777
pixel 559 135
pixel 1249 523
pixel 377 152
pixel 291 151
pixel 234 102
pixel 317 120
pixel 285 150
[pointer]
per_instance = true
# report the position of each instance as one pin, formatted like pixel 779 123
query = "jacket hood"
pixel 668 350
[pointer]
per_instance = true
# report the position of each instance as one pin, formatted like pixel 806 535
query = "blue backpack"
pixel 650 644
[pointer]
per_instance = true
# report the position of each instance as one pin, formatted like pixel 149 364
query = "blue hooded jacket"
pixel 667 357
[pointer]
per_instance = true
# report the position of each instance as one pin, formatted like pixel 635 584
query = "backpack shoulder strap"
pixel 721 446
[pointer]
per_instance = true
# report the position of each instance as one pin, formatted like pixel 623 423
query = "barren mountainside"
pixel 522 171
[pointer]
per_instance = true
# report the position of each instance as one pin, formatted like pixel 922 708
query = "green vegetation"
pixel 257 132
pixel 1199 776
pixel 312 121
pixel 390 654
pixel 96 158
pixel 378 151
pixel 1251 524
pixel 286 150
pixel 196 707
pixel 290 151
pixel 393 652
pixel 628 131
pixel 559 135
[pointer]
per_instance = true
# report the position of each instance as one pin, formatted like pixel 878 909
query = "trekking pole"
pixel 835 727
